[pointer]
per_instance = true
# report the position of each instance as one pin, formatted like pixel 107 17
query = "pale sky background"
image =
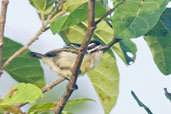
pixel 143 77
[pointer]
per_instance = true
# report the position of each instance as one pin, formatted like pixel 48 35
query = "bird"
pixel 61 61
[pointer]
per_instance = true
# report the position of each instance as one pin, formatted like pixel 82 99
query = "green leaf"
pixel 105 33
pixel 159 40
pixel 22 93
pixel 105 77
pixel 140 103
pixel 37 108
pixel 168 95
pixel 66 112
pixel 44 6
pixel 78 100
pixel 127 46
pixel 71 5
pixel 12 109
pixel 23 68
pixel 134 18
pixel 75 17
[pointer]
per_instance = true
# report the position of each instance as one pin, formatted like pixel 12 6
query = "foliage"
pixel 132 22
pixel 23 68
pixel 131 19
pixel 159 40
pixel 21 93
pixel 37 108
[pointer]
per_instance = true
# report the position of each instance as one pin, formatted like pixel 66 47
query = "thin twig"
pixel 2 26
pixel 42 29
pixel 42 18
pixel 25 47
pixel 81 52
pixel 53 84
pixel 47 88
pixel 57 15
pixel 111 43
pixel 109 12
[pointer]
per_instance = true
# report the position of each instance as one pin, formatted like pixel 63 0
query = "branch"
pixel 2 26
pixel 81 52
pixel 53 84
pixel 109 12
pixel 47 88
pixel 25 47
pixel 42 29
pixel 111 43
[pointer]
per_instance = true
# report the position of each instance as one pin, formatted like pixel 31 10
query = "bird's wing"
pixel 56 52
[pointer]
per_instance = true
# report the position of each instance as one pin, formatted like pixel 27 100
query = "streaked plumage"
pixel 62 60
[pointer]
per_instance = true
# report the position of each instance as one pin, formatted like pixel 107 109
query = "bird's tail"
pixel 36 55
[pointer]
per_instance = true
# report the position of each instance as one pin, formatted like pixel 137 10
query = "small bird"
pixel 62 60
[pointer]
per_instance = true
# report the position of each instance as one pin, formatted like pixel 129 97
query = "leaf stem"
pixel 2 26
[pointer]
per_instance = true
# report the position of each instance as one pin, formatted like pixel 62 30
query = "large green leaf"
pixel 79 14
pixel 105 79
pixel 22 93
pixel 159 40
pixel 44 6
pixel 134 18
pixel 105 76
pixel 23 68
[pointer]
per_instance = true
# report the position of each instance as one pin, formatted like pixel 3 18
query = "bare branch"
pixel 47 88
pixel 42 29
pixel 53 84
pixel 81 52
pixel 2 26
pixel 25 47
